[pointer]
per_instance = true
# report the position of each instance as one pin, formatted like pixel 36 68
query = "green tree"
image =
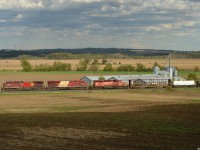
pixel 26 66
pixel 192 76
pixel 59 66
pixel 44 67
pixel 82 66
pixel 108 67
pixel 126 68
pixel 94 67
pixel 140 67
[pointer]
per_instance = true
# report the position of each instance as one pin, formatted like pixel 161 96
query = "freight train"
pixel 97 84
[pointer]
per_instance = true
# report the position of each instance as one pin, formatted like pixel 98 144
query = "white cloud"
pixel 9 4
pixel 2 20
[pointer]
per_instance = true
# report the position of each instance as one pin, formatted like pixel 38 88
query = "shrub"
pixel 57 66
pixel 192 76
pixel 82 65
pixel 26 66
pixel 43 67
pixel 140 67
pixel 126 68
pixel 94 68
pixel 108 67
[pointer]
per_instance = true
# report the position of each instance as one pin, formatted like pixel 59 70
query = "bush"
pixel 57 66
pixel 108 67
pixel 26 66
pixel 82 65
pixel 126 68
pixel 94 68
pixel 140 67
pixel 192 76
pixel 43 67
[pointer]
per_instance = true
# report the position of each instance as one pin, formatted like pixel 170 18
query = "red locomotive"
pixel 66 85
pixel 22 86
pixel 109 84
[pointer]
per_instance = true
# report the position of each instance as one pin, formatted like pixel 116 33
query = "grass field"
pixel 113 119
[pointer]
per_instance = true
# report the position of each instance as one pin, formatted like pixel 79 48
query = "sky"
pixel 137 24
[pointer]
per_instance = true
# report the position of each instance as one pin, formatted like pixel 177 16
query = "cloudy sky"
pixel 157 24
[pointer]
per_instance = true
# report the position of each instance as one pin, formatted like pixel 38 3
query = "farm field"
pixel 113 119
pixel 186 64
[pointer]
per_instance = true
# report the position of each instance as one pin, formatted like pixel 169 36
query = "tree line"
pixel 84 65
pixel 95 53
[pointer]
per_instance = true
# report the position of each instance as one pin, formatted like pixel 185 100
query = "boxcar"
pixel 99 84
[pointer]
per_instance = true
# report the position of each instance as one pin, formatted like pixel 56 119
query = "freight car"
pixel 190 83
pixel 149 83
pixel 67 85
pixel 198 83
pixel 22 86
pixel 103 84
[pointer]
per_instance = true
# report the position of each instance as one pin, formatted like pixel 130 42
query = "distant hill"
pixel 8 53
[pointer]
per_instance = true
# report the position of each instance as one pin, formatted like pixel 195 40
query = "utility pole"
pixel 169 65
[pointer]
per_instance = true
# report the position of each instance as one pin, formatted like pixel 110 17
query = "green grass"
pixel 196 101
pixel 184 73
pixel 160 127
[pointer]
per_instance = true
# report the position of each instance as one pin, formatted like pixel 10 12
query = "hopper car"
pixel 22 86
pixel 149 83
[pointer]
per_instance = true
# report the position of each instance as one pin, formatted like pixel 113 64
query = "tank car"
pixel 189 83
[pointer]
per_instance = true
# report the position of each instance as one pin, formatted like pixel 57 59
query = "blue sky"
pixel 156 24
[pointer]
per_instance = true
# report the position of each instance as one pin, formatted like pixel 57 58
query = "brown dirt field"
pixel 97 101
pixel 188 64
